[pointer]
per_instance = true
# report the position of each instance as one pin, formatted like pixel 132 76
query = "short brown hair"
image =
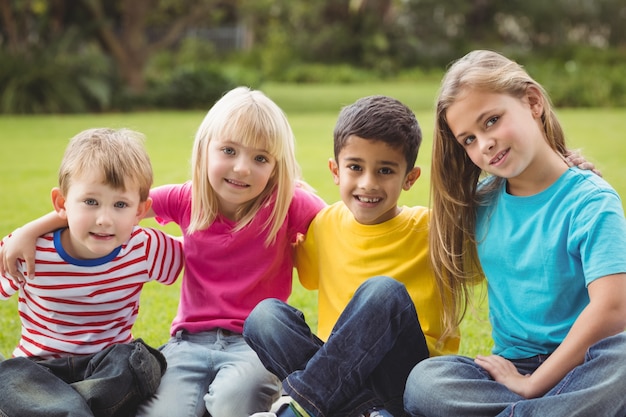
pixel 380 118
pixel 118 154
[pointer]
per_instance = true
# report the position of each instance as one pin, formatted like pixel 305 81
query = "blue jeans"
pixel 456 386
pixel 110 383
pixel 214 372
pixel 365 362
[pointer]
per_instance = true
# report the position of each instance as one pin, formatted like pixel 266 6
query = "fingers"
pixel 30 266
pixel 576 160
pixel 9 267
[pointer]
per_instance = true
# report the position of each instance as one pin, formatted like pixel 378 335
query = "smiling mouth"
pixel 102 235
pixel 498 157
pixel 237 183
pixel 369 200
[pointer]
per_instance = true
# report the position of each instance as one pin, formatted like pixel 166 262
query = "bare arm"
pixel 21 245
pixel 604 316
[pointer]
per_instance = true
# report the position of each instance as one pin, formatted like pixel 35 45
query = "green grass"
pixel 32 148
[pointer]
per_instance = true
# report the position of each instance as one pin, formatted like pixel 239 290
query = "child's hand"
pixel 576 159
pixel 504 372
pixel 15 247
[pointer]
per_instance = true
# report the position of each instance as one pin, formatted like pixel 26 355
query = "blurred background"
pixel 74 56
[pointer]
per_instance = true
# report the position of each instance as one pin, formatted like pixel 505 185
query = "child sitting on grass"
pixel 76 355
pixel 370 325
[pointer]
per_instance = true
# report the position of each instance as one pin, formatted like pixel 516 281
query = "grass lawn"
pixel 32 148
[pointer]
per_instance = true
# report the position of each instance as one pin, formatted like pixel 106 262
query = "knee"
pixel 420 386
pixel 263 318
pixel 384 292
pixel 610 351
pixel 242 391
pixel 382 287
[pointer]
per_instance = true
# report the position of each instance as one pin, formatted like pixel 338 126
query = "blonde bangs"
pixel 256 126
pixel 250 118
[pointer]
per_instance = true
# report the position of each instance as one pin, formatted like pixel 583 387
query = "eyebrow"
pixel 477 121
pixel 232 142
pixel 355 159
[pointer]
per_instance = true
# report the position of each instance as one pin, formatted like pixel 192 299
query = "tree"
pixel 132 31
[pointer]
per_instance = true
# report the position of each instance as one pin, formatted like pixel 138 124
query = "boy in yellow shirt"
pixel 369 259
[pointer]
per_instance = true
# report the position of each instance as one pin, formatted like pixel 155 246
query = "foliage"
pixel 321 73
pixel 191 88
pixel 140 45
pixel 54 79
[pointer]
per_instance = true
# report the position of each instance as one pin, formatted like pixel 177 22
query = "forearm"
pixel 42 225
pixel 22 243
pixel 604 316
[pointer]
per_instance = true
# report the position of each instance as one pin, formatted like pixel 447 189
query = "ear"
pixel 142 209
pixel 58 202
pixel 334 170
pixel 411 177
pixel 535 101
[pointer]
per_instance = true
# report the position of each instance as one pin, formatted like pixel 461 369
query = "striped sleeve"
pixel 164 256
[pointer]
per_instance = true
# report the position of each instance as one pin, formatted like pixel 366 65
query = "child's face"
pixel 100 218
pixel 371 175
pixel 238 174
pixel 501 134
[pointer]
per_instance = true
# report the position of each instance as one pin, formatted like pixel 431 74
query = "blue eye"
pixel 468 140
pixel 261 158
pixel 120 204
pixel 492 121
pixel 91 202
pixel 228 151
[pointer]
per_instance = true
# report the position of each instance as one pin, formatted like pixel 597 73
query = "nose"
pixel 104 217
pixel 368 181
pixel 486 143
pixel 241 166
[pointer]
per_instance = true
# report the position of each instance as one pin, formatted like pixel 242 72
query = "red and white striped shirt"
pixel 76 306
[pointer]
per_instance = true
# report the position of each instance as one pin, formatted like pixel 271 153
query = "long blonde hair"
pixel 251 118
pixel 454 178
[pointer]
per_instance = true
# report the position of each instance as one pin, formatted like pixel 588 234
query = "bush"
pixel 582 84
pixel 320 73
pixel 54 79
pixel 190 88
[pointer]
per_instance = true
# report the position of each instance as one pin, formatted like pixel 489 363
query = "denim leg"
pixel 187 378
pixel 212 372
pixel 456 386
pixel 31 390
pixel 595 388
pixel 242 385
pixel 113 381
pixel 366 360
pixel 280 336
pixel 447 386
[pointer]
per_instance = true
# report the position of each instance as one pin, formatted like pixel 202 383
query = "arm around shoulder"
pixel 21 245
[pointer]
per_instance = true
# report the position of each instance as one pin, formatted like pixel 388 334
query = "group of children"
pixel 394 282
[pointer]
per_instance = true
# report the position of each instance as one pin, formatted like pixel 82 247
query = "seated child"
pixel 76 355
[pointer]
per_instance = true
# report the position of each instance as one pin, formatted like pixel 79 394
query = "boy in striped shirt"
pixel 79 309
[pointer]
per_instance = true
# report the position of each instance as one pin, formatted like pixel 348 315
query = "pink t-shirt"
pixel 227 273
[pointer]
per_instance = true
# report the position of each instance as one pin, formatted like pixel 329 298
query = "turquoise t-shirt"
pixel 539 254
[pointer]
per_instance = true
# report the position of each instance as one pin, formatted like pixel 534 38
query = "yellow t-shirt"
pixel 338 254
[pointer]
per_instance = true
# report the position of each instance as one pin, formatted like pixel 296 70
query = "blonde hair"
pixel 251 118
pixel 119 155
pixel 455 178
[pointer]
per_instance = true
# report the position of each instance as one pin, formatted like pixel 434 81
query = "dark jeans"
pixel 375 343
pixel 110 383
